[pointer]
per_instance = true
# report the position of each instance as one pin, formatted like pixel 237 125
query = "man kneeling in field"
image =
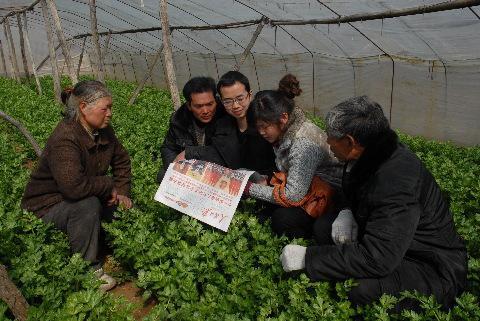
pixel 406 235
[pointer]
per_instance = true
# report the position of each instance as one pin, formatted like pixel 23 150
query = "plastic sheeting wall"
pixel 423 98
pixel 423 69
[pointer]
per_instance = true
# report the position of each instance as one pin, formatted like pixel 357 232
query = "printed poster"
pixel 205 191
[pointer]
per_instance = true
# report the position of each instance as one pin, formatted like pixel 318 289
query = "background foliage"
pixel 194 271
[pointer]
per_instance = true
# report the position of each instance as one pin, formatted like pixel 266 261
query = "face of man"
pixel 236 99
pixel 203 106
pixel 345 148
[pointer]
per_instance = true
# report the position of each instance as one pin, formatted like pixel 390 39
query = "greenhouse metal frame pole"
pixel 107 43
pixel 140 86
pixel 53 60
pixel 30 54
pixel 62 41
pixel 168 56
pixel 2 55
pixel 11 49
pixel 249 47
pixel 95 42
pixel 44 60
pixel 22 46
pixel 24 132
pixel 81 57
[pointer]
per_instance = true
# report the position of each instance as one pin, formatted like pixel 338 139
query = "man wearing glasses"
pixel 200 129
pixel 256 153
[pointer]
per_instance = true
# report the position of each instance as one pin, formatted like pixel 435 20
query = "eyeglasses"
pixel 228 102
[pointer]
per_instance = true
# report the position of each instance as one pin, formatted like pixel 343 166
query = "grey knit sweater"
pixel 302 153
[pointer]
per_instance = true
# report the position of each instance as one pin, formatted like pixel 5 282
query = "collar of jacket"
pixel 85 138
pixel 183 118
pixel 372 158
pixel 295 122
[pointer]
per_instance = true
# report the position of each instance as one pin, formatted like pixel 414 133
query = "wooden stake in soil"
pixel 12 296
pixel 147 76
pixel 61 39
pixel 30 54
pixel 249 47
pixel 22 46
pixel 4 65
pixel 167 52
pixel 96 44
pixel 81 57
pixel 11 46
pixel 53 60
pixel 24 132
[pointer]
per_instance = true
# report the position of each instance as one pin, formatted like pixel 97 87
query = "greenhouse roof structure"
pixel 420 59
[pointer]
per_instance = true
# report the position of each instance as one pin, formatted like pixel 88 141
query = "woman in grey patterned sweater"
pixel 301 152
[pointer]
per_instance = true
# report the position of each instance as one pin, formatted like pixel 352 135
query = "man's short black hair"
pixel 230 78
pixel 198 85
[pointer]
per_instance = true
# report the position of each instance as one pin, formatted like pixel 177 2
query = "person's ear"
pixel 356 150
pixel 82 106
pixel 283 119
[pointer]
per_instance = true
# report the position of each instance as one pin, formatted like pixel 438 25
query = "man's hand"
pixel 179 157
pixel 293 257
pixel 344 228
pixel 113 200
pixel 124 202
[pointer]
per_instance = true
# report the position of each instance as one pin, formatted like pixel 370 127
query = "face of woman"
pixel 270 131
pixel 98 114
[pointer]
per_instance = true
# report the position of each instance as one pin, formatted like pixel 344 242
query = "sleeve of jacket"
pixel 121 168
pixel 389 231
pixel 169 149
pixel 303 158
pixel 69 174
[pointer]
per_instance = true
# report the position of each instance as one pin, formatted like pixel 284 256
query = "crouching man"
pixel 200 129
pixel 406 235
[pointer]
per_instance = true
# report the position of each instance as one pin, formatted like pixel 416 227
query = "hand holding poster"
pixel 205 191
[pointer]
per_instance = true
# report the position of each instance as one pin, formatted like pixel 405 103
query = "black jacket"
pixel 257 154
pixel 401 214
pixel 220 139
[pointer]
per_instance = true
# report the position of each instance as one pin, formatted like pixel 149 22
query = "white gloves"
pixel 344 228
pixel 293 257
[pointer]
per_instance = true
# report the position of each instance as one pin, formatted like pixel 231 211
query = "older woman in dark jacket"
pixel 70 187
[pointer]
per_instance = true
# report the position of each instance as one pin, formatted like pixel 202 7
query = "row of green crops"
pixel 194 271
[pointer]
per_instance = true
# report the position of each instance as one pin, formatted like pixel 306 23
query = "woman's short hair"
pixel 359 117
pixel 87 91
pixel 269 105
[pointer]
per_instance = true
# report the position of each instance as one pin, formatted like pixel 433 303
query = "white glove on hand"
pixel 293 257
pixel 344 228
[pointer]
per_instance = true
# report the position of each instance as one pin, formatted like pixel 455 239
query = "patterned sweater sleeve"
pixel 303 159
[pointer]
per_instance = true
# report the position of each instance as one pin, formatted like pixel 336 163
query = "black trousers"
pixel 294 222
pixel 409 275
pixel 81 222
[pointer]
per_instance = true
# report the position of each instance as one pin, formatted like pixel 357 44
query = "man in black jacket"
pixel 200 129
pixel 406 235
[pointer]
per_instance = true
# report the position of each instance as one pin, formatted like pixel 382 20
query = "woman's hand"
pixel 112 201
pixel 124 202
